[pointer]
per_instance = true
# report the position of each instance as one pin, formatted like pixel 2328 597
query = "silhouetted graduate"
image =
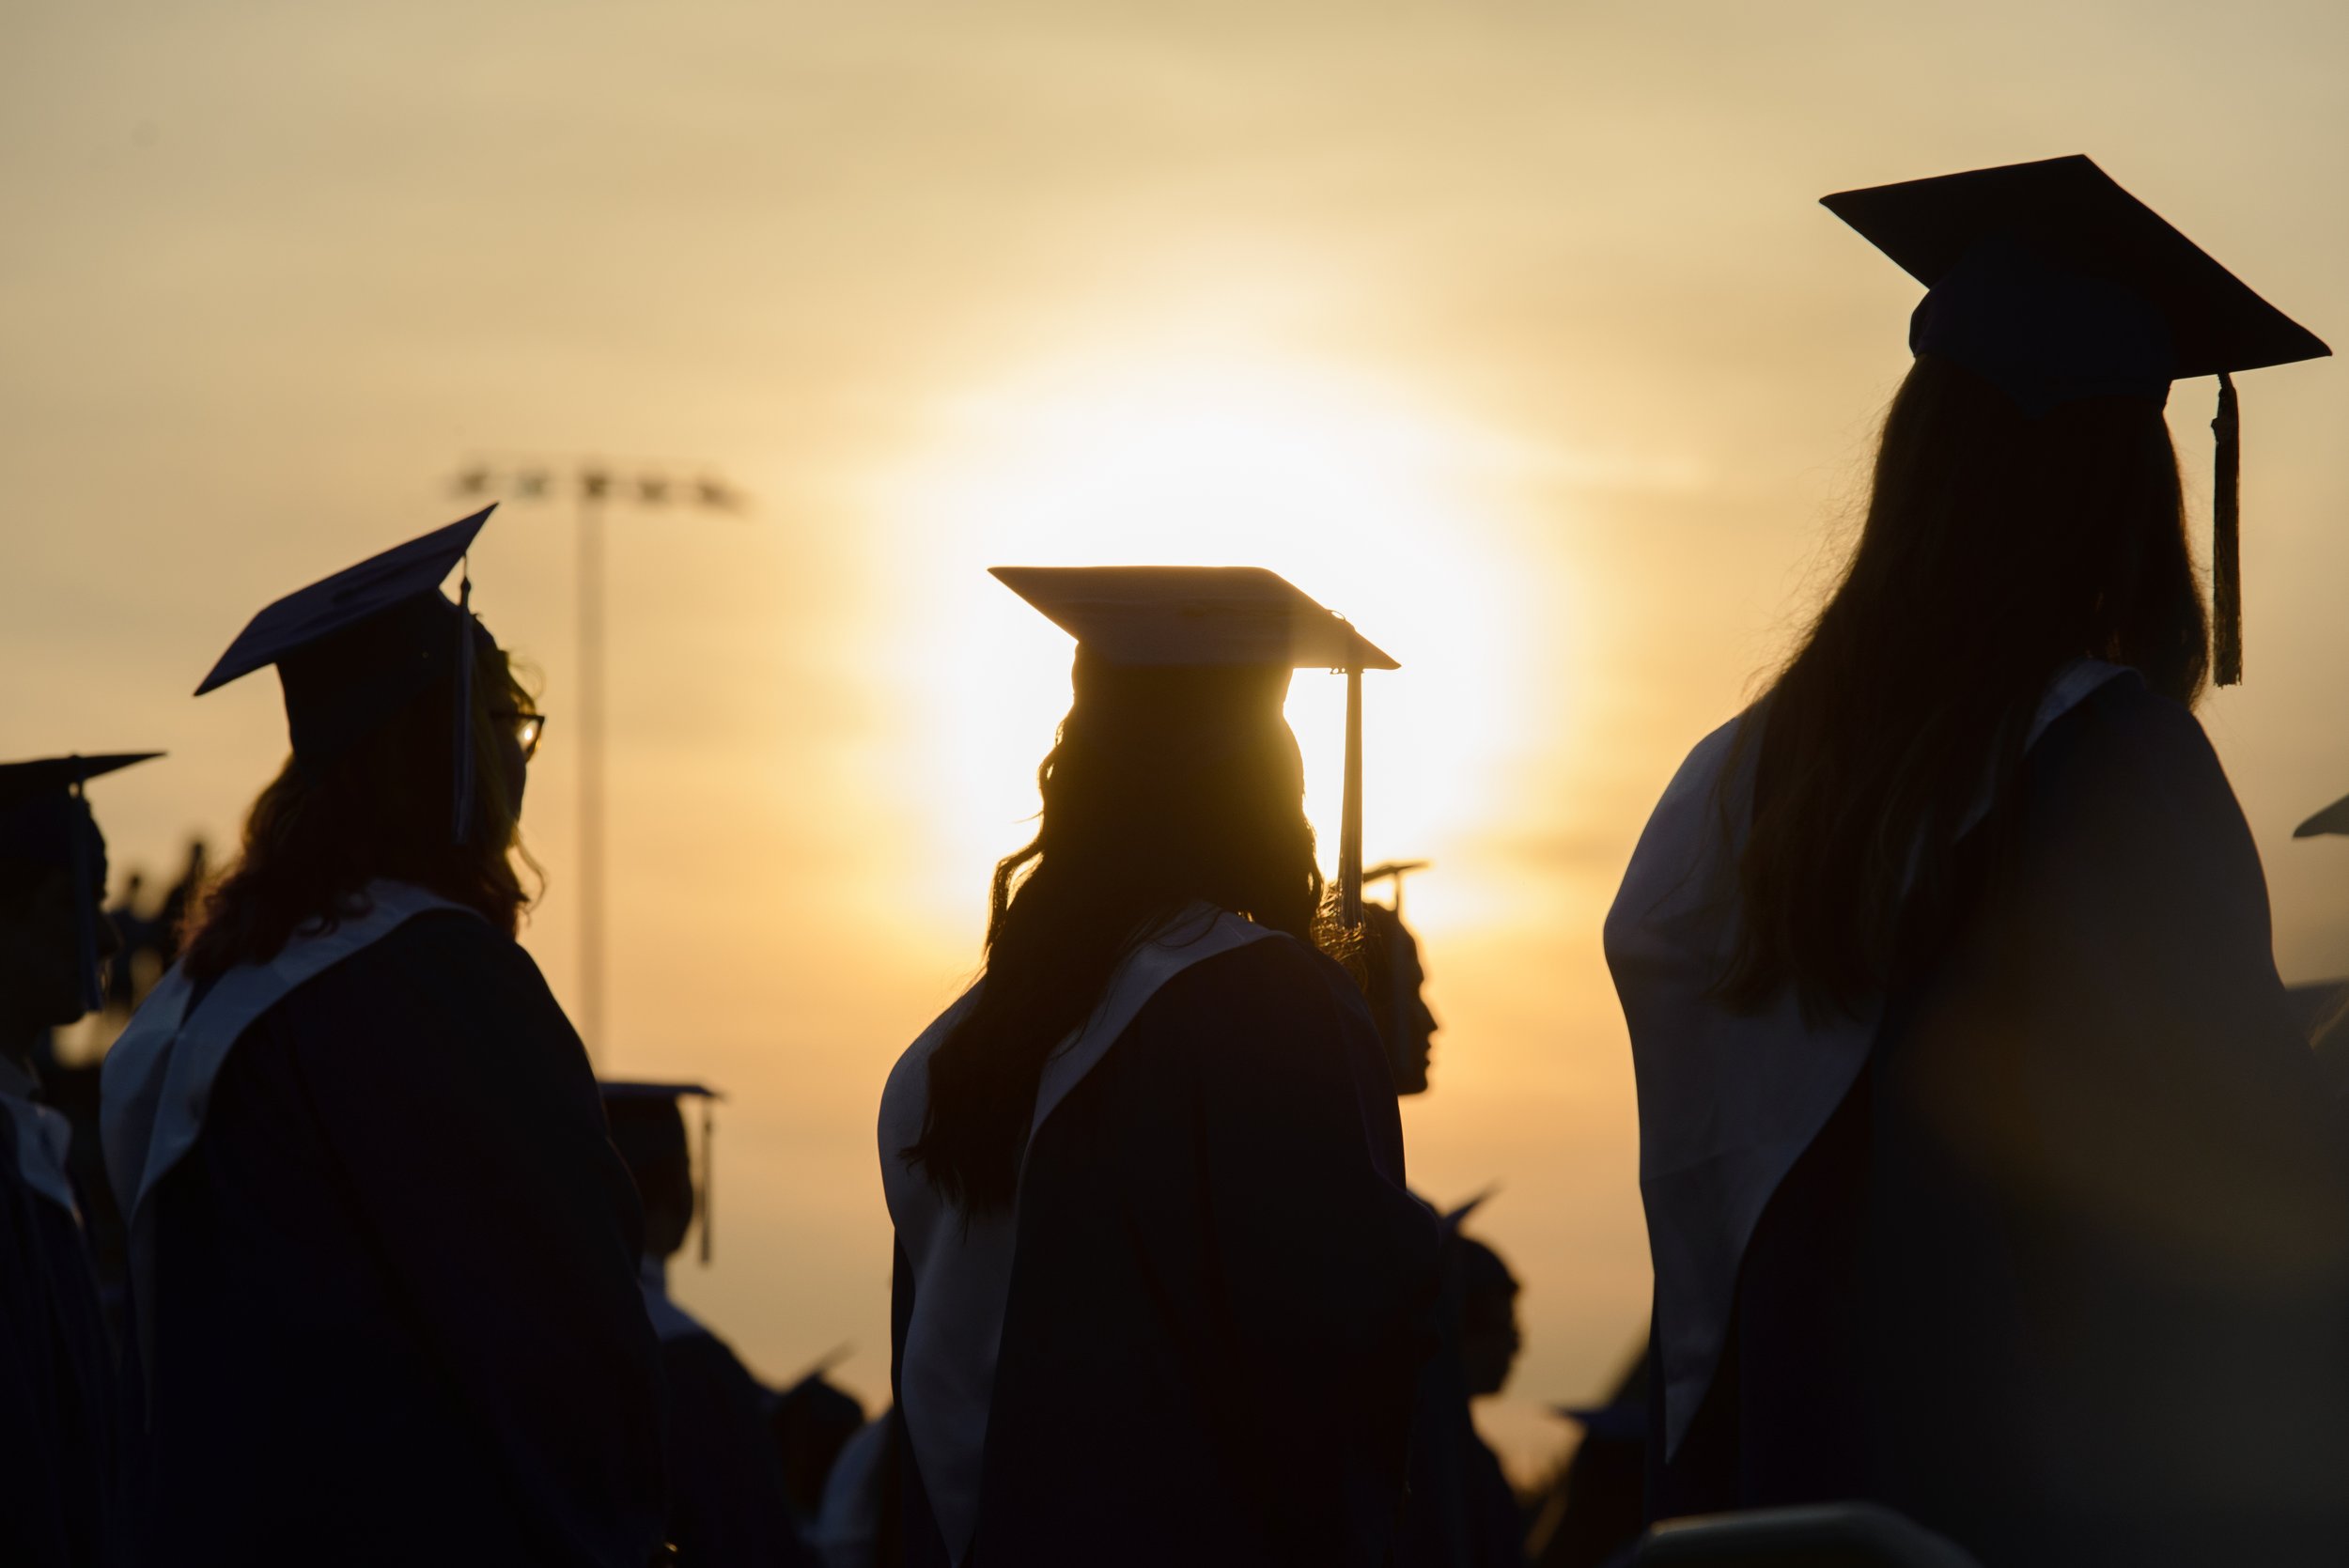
pixel 1462 1511
pixel 1201 1349
pixel 1594 1509
pixel 60 1416
pixel 1394 984
pixel 1987 1171
pixel 812 1421
pixel 727 1507
pixel 384 1256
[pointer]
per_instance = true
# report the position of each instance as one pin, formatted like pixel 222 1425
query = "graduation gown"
pixel 727 1505
pixel 59 1417
pixel 383 1264
pixel 1218 1291
pixel 2065 1274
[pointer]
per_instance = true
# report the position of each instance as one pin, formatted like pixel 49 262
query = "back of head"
pixel 1168 787
pixel 1997 548
pixel 377 806
pixel 648 1130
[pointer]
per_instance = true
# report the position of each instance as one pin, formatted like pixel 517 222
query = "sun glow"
pixel 1377 507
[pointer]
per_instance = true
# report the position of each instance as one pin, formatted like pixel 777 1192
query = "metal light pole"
pixel 595 485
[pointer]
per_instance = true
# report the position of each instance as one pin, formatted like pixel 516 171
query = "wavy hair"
pixel 1165 790
pixel 319 835
pixel 1995 548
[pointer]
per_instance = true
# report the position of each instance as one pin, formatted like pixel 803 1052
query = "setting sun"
pixel 1380 508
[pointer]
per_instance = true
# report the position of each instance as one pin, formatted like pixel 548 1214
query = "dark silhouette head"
pixel 41 944
pixel 1168 788
pixel 1394 982
pixel 378 807
pixel 811 1422
pixel 1997 548
pixel 1490 1339
pixel 648 1130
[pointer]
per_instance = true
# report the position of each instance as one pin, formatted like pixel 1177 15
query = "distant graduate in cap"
pixel 1972 1112
pixel 1395 980
pixel 60 1458
pixel 383 1258
pixel 1201 1346
pixel 726 1498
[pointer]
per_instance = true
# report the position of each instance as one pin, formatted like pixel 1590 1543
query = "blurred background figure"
pixel 171 921
pixel 60 1435
pixel 383 1257
pixel 727 1504
pixel 134 936
pixel 1591 1510
pixel 812 1421
pixel 1394 982
pixel 1462 1511
pixel 2324 1004
pixel 860 1524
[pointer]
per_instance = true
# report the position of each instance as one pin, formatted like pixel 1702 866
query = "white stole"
pixel 963 1271
pixel 157 1081
pixel 44 1138
pixel 1728 1101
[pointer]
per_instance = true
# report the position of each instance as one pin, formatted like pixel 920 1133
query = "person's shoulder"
pixel 2126 730
pixel 446 960
pixel 454 940
pixel 1276 980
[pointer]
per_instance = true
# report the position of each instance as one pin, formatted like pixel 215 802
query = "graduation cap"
pixel 1238 618
pixel 2054 283
pixel 1449 1223
pixel 2332 819
pixel 45 821
pixel 648 1129
pixel 357 647
pixel 1394 871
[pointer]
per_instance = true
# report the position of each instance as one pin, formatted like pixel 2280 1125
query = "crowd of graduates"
pixel 1996 1188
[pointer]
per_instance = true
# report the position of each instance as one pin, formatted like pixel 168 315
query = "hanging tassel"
pixel 710 1171
pixel 461 828
pixel 1350 822
pixel 2226 530
pixel 85 912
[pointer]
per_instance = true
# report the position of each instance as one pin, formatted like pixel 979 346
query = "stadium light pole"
pixel 595 485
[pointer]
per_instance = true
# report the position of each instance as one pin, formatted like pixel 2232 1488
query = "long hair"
pixel 1995 548
pixel 1166 788
pixel 319 835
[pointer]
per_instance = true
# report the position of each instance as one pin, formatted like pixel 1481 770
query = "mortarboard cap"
pixel 2054 283
pixel 2332 819
pixel 1194 617
pixel 354 649
pixel 1394 871
pixel 44 821
pixel 648 1126
pixel 1215 619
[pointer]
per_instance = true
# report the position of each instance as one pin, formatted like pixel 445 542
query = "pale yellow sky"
pixel 1512 329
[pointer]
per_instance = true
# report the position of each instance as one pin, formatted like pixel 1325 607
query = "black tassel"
pixel 709 1171
pixel 1350 818
pixel 460 827
pixel 2226 537
pixel 86 914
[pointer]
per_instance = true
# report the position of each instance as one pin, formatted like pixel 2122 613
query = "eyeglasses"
pixel 529 729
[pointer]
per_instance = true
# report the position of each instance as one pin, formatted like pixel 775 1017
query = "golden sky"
pixel 1511 329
